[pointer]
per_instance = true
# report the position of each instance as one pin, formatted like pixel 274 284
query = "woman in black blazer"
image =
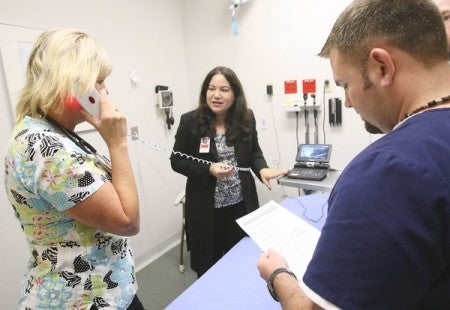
pixel 221 135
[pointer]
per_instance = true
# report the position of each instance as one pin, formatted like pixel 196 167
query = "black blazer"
pixel 201 184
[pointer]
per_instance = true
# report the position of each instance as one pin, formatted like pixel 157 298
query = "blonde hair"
pixel 62 63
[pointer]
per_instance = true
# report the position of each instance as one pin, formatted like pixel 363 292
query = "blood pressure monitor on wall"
pixel 165 99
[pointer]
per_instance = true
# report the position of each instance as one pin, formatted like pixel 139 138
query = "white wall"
pixel 175 43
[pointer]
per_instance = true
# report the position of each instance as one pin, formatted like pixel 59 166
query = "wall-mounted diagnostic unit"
pixel 164 100
pixel 335 111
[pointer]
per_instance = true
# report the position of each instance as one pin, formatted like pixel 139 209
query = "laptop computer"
pixel 312 162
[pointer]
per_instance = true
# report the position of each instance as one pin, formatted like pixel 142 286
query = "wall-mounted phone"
pixel 164 100
pixel 335 111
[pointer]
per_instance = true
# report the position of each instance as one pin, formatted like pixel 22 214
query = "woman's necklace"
pixel 428 105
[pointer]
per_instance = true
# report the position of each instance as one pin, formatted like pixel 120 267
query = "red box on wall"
pixel 290 87
pixel 309 86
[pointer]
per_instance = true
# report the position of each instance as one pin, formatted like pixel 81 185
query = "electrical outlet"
pixel 134 133
pixel 327 86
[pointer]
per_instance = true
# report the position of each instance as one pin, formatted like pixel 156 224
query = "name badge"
pixel 204 145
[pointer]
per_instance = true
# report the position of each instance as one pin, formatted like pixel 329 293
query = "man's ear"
pixel 381 65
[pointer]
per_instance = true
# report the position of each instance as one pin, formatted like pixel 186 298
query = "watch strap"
pixel 276 272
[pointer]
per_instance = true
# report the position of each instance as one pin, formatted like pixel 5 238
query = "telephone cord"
pixel 160 148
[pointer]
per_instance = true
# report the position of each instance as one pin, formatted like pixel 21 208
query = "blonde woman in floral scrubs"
pixel 73 205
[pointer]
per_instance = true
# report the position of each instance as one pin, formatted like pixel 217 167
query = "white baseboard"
pixel 144 260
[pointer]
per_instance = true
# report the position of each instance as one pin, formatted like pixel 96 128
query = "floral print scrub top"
pixel 72 266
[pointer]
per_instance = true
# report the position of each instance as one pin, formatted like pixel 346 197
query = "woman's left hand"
pixel 267 174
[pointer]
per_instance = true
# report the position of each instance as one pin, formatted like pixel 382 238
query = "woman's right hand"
pixel 221 170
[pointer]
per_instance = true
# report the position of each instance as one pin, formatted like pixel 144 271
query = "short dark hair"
pixel 414 26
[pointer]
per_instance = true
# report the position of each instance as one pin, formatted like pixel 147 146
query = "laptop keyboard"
pixel 316 174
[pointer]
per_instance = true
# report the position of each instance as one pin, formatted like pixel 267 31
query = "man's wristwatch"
pixel 270 286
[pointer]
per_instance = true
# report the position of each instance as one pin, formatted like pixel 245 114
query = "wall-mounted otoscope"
pixel 305 98
pixel 316 122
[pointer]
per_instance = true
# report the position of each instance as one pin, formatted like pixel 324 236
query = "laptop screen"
pixel 314 152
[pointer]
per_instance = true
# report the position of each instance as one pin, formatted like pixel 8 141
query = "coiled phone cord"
pixel 160 148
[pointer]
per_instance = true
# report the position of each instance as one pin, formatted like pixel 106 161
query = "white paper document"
pixel 274 227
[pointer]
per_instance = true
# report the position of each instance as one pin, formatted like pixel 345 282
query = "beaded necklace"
pixel 428 105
